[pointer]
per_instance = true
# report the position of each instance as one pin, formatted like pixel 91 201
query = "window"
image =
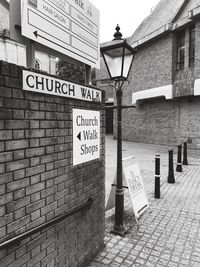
pixel 191 45
pixel 37 64
pixel 180 50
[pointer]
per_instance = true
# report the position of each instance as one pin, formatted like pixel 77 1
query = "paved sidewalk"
pixel 169 231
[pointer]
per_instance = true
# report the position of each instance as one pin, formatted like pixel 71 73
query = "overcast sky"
pixel 127 13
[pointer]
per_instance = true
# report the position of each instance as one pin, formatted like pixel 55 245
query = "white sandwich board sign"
pixel 135 186
pixel 132 179
pixel 70 27
pixel 86 135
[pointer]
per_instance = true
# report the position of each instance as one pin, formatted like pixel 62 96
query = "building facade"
pixel 165 77
pixel 14 52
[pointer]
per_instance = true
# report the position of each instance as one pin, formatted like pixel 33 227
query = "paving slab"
pixel 168 234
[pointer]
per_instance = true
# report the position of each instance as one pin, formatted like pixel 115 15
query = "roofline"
pixel 192 15
pixel 180 10
pixel 5 3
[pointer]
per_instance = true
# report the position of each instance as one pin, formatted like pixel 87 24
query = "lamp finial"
pixel 117 35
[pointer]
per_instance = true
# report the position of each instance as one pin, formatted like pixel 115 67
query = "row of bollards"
pixel 171 178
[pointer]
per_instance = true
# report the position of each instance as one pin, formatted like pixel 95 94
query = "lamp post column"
pixel 119 197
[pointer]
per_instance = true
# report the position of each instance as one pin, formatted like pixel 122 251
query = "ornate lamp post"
pixel 118 57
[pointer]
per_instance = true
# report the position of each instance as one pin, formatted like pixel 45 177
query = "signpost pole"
pixel 88 79
pixel 30 53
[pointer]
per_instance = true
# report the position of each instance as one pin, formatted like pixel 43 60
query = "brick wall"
pixel 154 121
pixel 197 50
pixel 151 67
pixel 38 181
pixel 162 121
pixel 158 121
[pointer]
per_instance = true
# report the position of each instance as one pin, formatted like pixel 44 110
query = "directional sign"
pixel 68 26
pixel 86 135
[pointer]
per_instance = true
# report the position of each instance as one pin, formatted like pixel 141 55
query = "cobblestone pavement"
pixel 169 231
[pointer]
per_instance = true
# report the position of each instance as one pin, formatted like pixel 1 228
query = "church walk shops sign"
pixel 86 135
pixel 40 83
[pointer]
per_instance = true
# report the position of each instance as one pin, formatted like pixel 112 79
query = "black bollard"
pixel 171 179
pixel 185 160
pixel 157 176
pixel 179 161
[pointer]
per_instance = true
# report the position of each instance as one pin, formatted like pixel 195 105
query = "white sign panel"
pixel 44 84
pixel 86 135
pixel 68 26
pixel 135 186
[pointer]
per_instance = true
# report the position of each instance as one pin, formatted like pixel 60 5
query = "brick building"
pixel 164 79
pixel 52 210
pixel 14 52
pixel 40 185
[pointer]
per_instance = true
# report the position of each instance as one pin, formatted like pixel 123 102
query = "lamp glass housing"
pixel 118 59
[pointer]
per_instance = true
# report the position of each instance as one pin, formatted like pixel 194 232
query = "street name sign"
pixel 86 135
pixel 40 83
pixel 70 27
pixel 132 179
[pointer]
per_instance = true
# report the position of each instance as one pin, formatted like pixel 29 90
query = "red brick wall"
pixel 38 181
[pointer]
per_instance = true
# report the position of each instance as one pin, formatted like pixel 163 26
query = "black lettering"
pixel 82 148
pixel 97 96
pixel 39 82
pixel 83 92
pixel 88 150
pixel 89 95
pixel 49 82
pixel 71 89
pixel 95 135
pixel 57 87
pixel 27 80
pixel 80 3
pixel 62 88
pixel 77 121
pixel 85 134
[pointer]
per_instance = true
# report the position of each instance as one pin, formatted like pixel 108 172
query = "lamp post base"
pixel 119 230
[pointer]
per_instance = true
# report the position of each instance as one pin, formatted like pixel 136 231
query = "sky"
pixel 127 13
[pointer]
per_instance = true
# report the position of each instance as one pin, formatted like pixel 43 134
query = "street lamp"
pixel 118 57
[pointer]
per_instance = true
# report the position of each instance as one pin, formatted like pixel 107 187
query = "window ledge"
pixel 166 91
pixel 197 87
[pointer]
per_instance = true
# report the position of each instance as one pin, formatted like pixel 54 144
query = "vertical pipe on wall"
pixel 30 53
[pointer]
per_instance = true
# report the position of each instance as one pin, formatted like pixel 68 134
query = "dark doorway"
pixel 109 118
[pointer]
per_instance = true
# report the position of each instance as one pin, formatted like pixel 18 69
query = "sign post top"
pixel 69 27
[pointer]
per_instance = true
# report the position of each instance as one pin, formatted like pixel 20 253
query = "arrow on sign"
pixel 35 33
pixel 79 136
